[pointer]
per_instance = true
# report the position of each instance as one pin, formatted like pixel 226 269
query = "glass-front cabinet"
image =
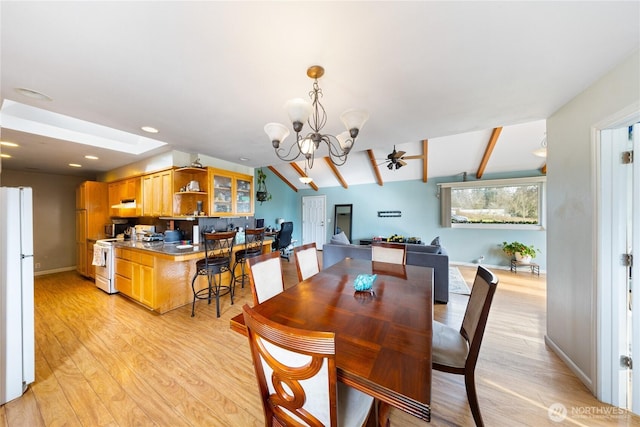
pixel 232 193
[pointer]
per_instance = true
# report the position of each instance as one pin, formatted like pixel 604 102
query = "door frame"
pixel 606 352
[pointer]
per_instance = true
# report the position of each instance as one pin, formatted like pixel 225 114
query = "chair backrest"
pixel 394 253
pixel 307 263
pixel 296 372
pixel 477 312
pixel 265 276
pixel 253 238
pixel 218 246
pixel 283 239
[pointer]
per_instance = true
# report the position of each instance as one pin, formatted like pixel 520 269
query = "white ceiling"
pixel 209 75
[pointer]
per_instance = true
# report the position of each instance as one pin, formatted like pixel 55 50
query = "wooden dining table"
pixel 383 338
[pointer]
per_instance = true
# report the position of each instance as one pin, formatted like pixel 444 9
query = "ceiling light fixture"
pixel 542 151
pixel 301 111
pixel 149 129
pixel 91 157
pixel 75 165
pixel 306 179
pixel 8 144
pixel 5 156
pixel 34 94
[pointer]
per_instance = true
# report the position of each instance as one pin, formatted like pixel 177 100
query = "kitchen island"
pixel 158 275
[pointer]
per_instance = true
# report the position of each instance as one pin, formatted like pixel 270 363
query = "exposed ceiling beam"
pixel 487 152
pixel 374 165
pixel 301 173
pixel 285 180
pixel 424 156
pixel 336 172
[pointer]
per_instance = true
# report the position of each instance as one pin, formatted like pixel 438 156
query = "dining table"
pixel 383 336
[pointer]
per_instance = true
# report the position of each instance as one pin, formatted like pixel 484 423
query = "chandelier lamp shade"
pixel 306 144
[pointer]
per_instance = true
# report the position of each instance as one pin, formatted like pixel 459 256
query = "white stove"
pixel 104 260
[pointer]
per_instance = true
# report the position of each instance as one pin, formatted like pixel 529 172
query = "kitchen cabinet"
pixel 157 194
pixel 129 191
pixel 190 186
pixel 134 275
pixel 92 213
pixel 232 193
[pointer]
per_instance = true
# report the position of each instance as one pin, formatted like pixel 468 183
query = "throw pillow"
pixel 340 239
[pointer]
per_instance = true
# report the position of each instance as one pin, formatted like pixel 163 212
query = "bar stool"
pixel 253 247
pixel 217 259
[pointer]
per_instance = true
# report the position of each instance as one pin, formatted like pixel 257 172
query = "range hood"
pixel 125 204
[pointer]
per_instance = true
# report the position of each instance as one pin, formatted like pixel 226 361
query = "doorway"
pixel 618 334
pixel 314 212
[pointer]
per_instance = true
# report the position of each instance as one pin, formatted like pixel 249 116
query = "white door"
pixel 619 232
pixel 314 214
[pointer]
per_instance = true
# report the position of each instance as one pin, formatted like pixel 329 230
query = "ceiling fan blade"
pixel 402 163
pixel 399 154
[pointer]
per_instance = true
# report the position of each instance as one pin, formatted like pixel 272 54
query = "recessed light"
pixel 5 156
pixel 75 165
pixel 8 144
pixel 34 94
pixel 149 129
pixel 91 157
pixel 244 159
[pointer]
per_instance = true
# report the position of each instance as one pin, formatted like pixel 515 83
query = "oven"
pixel 103 260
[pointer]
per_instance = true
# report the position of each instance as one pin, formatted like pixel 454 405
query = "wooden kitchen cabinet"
pixel 157 194
pixel 134 275
pixel 232 193
pixel 185 196
pixel 92 213
pixel 126 190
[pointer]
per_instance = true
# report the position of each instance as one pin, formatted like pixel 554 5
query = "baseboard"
pixel 55 270
pixel 588 382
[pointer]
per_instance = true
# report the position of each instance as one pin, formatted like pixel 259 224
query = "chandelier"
pixel 313 112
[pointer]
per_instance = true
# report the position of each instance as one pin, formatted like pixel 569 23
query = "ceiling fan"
pixel 396 159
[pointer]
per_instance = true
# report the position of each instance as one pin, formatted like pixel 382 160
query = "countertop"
pixel 160 247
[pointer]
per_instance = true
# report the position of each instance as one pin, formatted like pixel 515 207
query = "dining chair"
pixel 394 253
pixel 307 262
pixel 297 376
pixel 217 260
pixel 265 276
pixel 253 238
pixel 456 351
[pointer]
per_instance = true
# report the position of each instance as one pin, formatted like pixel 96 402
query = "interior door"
pixel 314 213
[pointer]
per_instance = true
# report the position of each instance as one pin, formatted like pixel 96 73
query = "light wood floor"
pixel 103 360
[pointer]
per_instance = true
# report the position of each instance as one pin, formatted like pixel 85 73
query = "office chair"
pixel 283 239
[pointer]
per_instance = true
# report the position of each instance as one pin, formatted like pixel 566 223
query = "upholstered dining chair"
pixel 253 238
pixel 456 351
pixel 394 253
pixel 217 260
pixel 297 376
pixel 265 276
pixel 307 262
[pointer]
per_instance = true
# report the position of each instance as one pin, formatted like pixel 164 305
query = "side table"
pixel 535 268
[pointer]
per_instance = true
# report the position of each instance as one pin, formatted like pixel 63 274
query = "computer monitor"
pixel 259 222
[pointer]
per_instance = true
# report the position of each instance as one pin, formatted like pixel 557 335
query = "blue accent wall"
pixel 420 209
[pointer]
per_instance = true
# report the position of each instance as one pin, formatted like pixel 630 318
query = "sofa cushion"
pixel 340 239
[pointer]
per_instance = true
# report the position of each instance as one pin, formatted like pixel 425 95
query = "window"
pixel 498 203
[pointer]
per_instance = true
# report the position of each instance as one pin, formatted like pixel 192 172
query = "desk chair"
pixel 297 376
pixel 265 276
pixel 394 253
pixel 252 247
pixel 283 239
pixel 217 259
pixel 456 351
pixel 307 262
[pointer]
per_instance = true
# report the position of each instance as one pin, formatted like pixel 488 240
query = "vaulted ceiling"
pixel 210 75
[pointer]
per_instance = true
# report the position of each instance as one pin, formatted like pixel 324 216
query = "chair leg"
pixel 472 396
pixel 193 287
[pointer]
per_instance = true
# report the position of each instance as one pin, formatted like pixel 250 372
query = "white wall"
pixel 571 203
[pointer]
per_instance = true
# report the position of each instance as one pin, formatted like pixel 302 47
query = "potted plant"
pixel 523 253
pixel 262 195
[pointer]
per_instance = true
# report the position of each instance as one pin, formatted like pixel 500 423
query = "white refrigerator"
pixel 17 334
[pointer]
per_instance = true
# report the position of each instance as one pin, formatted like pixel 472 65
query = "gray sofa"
pixel 423 255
